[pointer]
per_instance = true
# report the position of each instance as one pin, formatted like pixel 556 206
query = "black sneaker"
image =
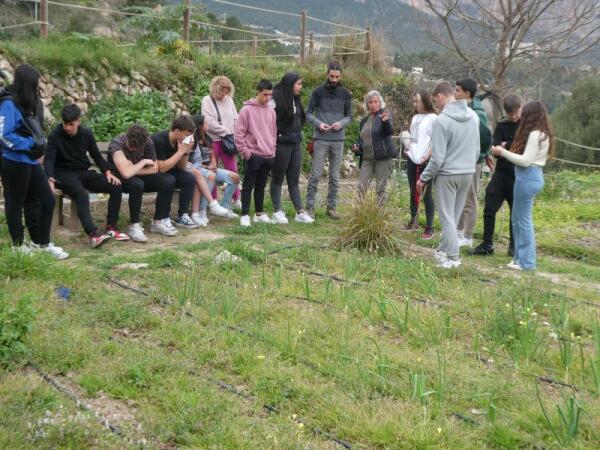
pixel 482 249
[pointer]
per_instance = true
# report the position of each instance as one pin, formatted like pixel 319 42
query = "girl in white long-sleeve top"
pixel 531 148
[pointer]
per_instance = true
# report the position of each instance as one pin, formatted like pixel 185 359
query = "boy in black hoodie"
pixel 67 166
pixel 501 185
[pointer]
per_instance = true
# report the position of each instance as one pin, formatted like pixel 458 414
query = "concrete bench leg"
pixel 74 224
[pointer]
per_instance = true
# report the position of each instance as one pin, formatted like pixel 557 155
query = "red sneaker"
pixel 428 233
pixel 97 239
pixel 114 232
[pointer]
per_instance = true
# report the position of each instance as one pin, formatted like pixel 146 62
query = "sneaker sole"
pixel 187 226
pixel 101 243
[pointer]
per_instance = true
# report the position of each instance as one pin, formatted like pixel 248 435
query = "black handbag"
pixel 227 141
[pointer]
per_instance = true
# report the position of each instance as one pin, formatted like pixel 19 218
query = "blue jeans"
pixel 529 181
pixel 221 177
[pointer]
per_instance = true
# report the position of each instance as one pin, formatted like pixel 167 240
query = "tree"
pixel 578 120
pixel 490 35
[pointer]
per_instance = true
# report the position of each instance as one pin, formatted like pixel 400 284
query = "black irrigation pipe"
pixel 464 418
pixel 80 403
pixel 162 301
pixel 269 408
pixel 549 380
pixel 273 409
pixel 294 297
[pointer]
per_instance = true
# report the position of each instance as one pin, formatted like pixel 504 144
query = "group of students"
pixel 266 133
pixel 445 155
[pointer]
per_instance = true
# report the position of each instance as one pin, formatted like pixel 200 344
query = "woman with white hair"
pixel 375 146
pixel 220 114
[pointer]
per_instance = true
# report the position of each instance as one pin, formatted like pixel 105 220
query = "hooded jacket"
pixel 454 142
pixel 485 134
pixel 256 130
pixel 15 145
pixel 329 105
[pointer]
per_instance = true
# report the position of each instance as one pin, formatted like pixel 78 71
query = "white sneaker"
pixel 449 264
pixel 304 218
pixel 162 227
pixel 263 218
pixel 279 218
pixel 22 249
pixel 200 218
pixel 136 232
pixel 440 256
pixel 245 221
pixel 231 215
pixel 217 210
pixel 167 222
pixel 465 242
pixel 237 204
pixel 514 266
pixel 55 251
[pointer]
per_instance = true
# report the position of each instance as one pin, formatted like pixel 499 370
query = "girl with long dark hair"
pixel 531 148
pixel 24 181
pixel 288 155
pixel 418 154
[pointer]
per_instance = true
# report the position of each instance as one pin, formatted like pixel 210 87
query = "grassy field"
pixel 300 345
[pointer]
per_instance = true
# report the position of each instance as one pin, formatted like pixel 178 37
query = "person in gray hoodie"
pixel 329 111
pixel 255 138
pixel 454 152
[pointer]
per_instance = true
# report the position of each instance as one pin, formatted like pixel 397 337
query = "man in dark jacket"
pixel 67 166
pixel 466 90
pixel 330 112
pixel 501 185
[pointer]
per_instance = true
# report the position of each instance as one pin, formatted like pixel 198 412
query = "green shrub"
pixel 113 115
pixel 16 322
pixel 369 227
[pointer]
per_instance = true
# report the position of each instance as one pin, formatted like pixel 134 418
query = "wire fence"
pixel 305 44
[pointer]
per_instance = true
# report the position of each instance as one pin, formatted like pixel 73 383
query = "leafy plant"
pixel 113 115
pixel 567 428
pixel 16 322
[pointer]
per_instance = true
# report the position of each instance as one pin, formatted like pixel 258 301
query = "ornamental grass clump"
pixel 369 227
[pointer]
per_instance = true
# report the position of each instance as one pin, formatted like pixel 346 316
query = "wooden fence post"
pixel 254 45
pixel 186 20
pixel 211 46
pixel 44 18
pixel 302 36
pixel 370 47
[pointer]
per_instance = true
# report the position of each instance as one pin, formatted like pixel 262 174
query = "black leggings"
pixel 26 188
pixel 77 183
pixel 411 173
pixel 287 164
pixel 161 183
pixel 256 172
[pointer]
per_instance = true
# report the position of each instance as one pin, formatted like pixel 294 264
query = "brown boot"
pixel 332 213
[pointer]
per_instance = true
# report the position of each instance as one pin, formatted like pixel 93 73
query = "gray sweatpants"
pixel 334 150
pixel 380 170
pixel 450 194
